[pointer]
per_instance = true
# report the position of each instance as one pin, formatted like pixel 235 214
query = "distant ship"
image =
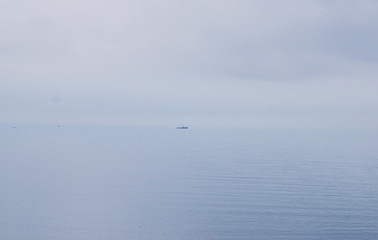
pixel 183 127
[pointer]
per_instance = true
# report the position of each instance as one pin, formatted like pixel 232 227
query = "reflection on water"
pixel 123 183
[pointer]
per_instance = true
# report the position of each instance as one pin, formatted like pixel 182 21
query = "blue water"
pixel 88 183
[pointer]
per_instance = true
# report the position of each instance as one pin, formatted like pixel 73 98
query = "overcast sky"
pixel 294 63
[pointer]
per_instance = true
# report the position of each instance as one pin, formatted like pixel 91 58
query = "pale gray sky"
pixel 294 63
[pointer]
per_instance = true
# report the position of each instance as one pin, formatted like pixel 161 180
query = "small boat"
pixel 182 127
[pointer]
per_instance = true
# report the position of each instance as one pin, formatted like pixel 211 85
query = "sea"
pixel 202 183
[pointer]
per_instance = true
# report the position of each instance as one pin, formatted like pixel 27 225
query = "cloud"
pixel 247 39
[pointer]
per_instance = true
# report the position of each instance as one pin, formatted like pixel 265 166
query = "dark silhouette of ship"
pixel 182 127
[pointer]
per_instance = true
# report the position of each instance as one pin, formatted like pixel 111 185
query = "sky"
pixel 259 64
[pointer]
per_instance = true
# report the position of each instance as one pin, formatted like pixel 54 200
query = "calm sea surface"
pixel 105 183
